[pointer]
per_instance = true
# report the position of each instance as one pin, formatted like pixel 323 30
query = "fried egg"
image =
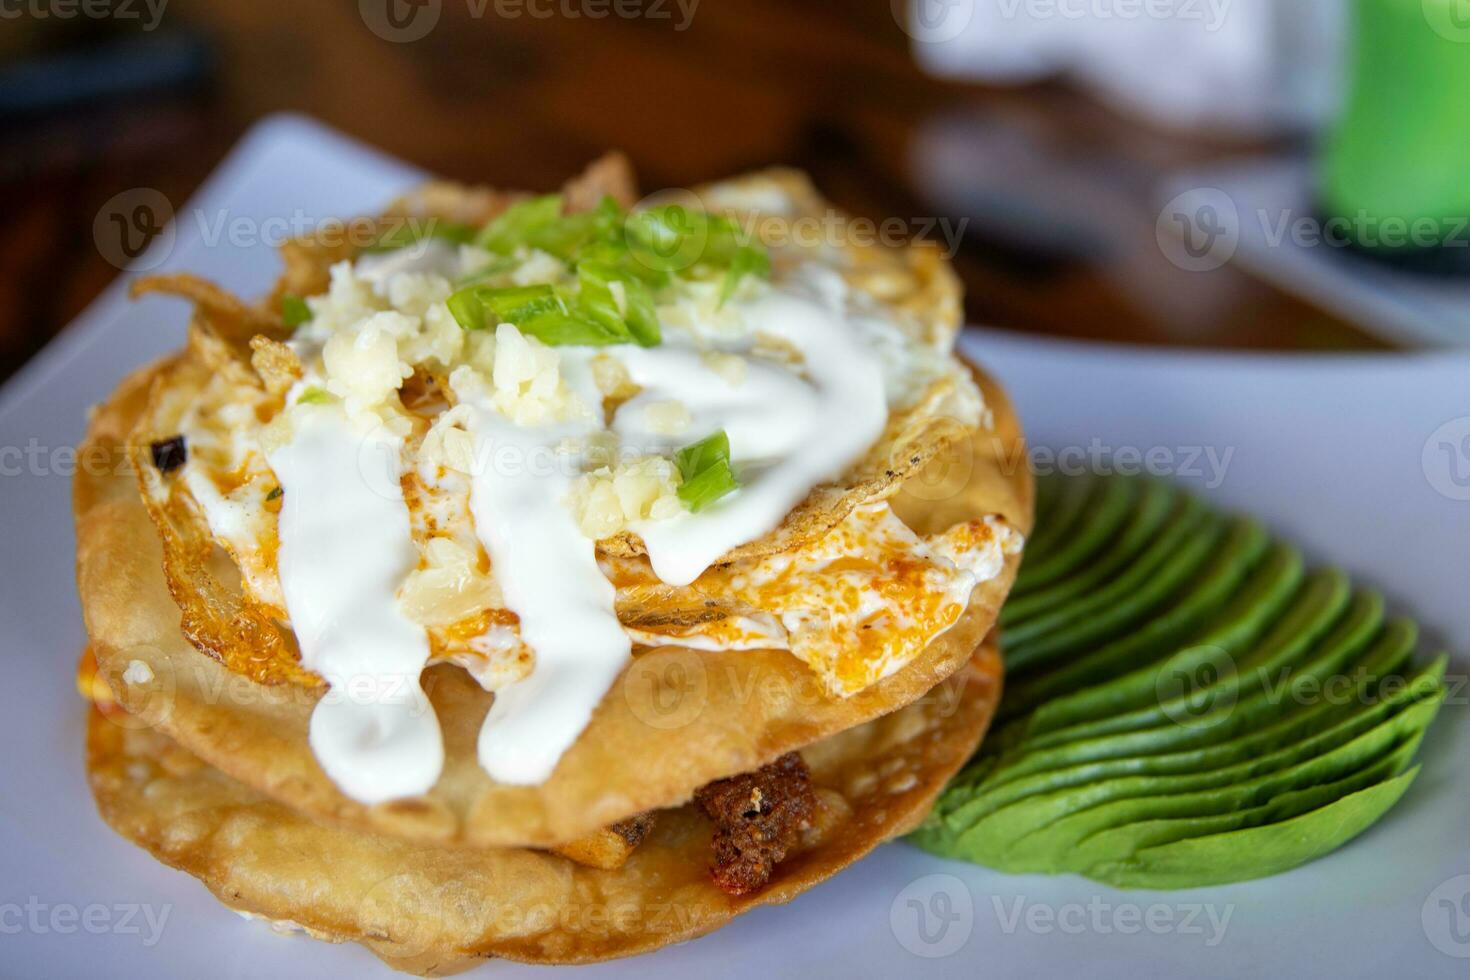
pixel 526 506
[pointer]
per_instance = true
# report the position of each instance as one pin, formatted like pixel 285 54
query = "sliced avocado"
pixel 1121 843
pixel 1183 706
pixel 1158 573
pixel 1256 604
pixel 1316 609
pixel 1047 489
pixel 1090 686
pixel 1157 501
pixel 1256 852
pixel 1037 821
pixel 1076 841
pixel 1071 500
pixel 1094 527
pixel 965 807
pixel 1259 708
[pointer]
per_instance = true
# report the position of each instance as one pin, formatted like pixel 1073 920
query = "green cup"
pixel 1395 174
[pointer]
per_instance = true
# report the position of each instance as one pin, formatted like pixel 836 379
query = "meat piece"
pixel 634 829
pixel 610 847
pixel 758 818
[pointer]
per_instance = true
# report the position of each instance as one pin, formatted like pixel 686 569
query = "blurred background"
pixel 1269 174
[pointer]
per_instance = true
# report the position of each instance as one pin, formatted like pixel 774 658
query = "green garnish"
pixel 466 308
pixel 517 223
pixel 673 238
pixel 516 304
pixel 569 237
pixel 406 232
pixel 294 310
pixel 1186 704
pixel 557 316
pixel 561 328
pixel 667 238
pixel 620 262
pixel 705 467
pixel 748 261
pixel 275 492
pixel 551 315
pixel 598 282
pixel 315 396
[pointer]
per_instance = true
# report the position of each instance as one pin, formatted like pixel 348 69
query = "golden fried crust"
pixel 217 616
pixel 675 720
pixel 434 911
pixel 610 847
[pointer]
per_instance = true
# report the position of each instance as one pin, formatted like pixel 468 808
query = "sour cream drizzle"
pixel 346 545
pixel 345 549
pixel 787 433
pixel 547 570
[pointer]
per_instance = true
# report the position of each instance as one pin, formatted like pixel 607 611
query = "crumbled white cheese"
pixel 731 367
pixel 525 382
pixel 538 268
pixel 612 378
pixel 448 443
pixel 349 300
pixel 363 367
pixel 608 499
pixel 413 293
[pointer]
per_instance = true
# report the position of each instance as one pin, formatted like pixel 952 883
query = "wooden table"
pixel 520 100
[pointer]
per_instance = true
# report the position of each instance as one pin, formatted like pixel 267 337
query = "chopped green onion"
pixel 673 238
pixel 705 467
pixel 275 492
pixel 466 308
pixel 637 252
pixel 635 316
pixel 724 241
pixel 543 312
pixel 479 307
pixel 748 261
pixel 294 310
pixel 315 396
pixel 670 238
pixel 408 232
pixel 571 330
pixel 596 298
pixel 568 236
pixel 517 223
pixel 703 454
pixel 616 253
pixel 639 313
pixel 519 304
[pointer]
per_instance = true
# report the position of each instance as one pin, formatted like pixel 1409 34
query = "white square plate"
pixel 1365 461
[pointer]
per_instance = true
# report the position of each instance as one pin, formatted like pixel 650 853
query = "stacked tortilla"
pixel 707 781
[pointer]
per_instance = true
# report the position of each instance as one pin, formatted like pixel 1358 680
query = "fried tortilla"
pixel 675 720
pixel 433 911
